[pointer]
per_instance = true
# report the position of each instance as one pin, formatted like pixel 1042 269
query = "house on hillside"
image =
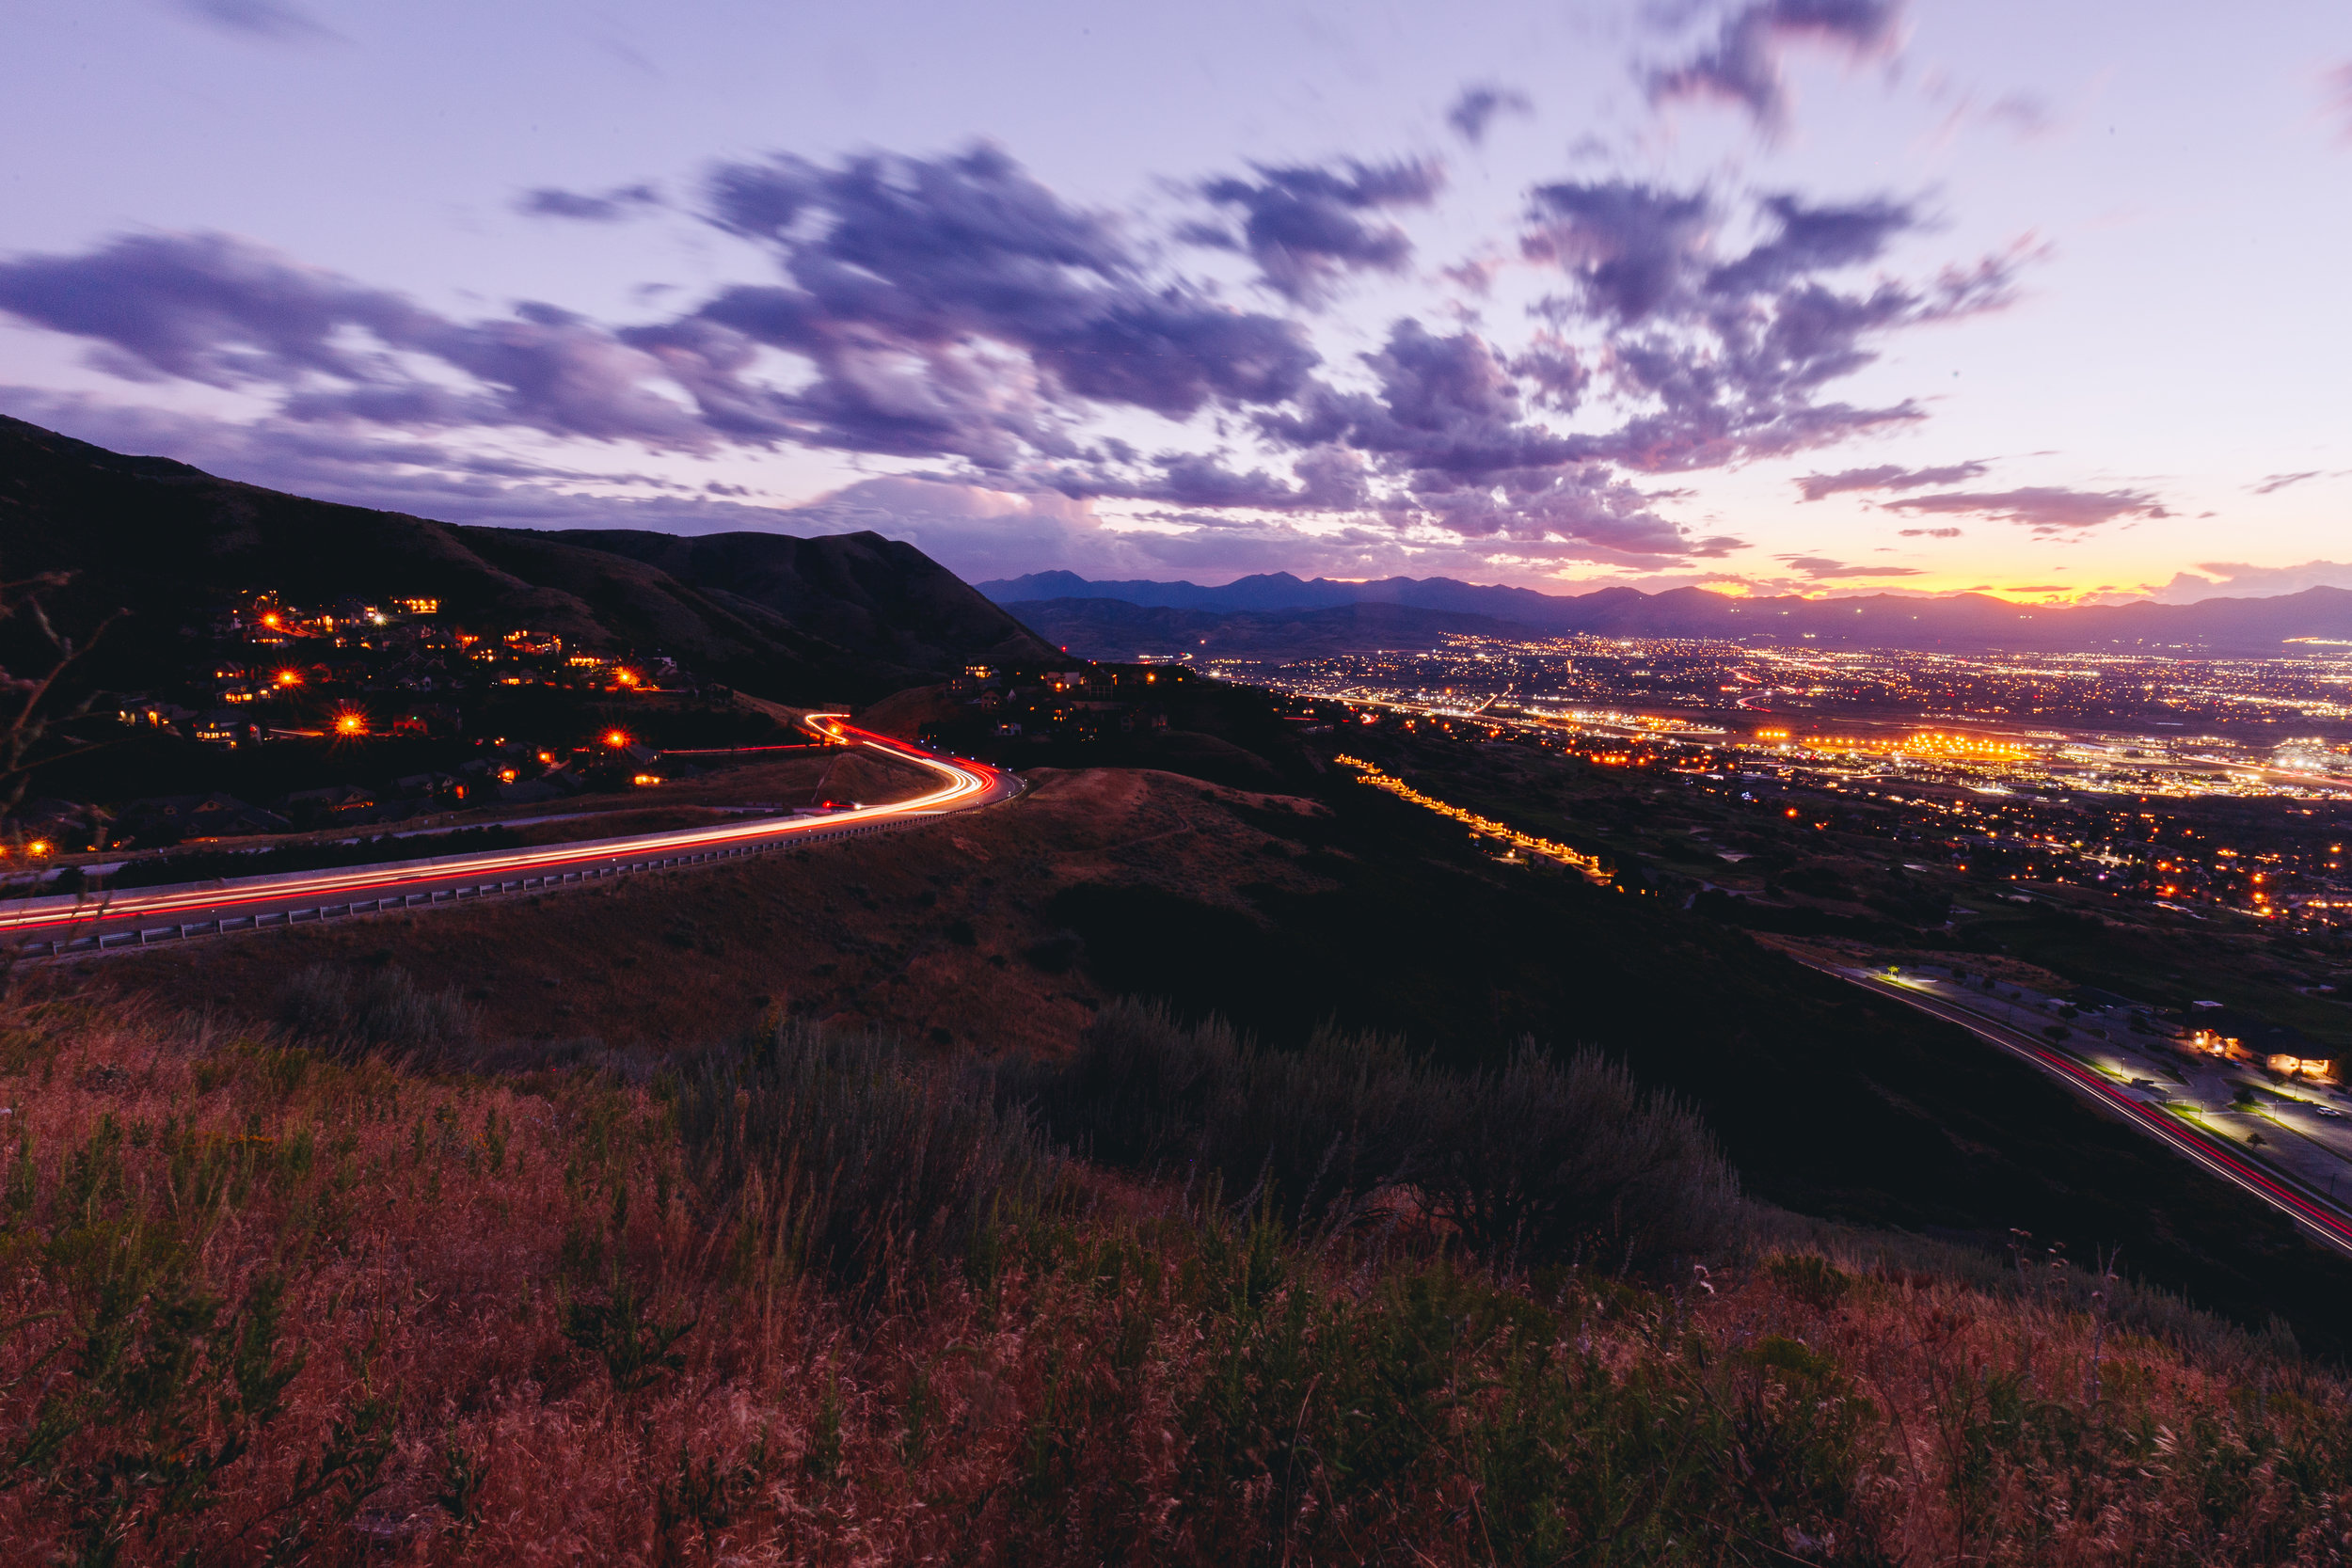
pixel 151 714
pixel 429 786
pixel 186 818
pixel 2231 1032
pixel 333 800
pixel 223 727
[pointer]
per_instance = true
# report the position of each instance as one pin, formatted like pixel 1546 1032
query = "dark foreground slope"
pixel 1827 1100
pixel 162 540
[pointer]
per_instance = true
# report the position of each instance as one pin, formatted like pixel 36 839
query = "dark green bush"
pixel 1814 1281
pixel 1534 1162
pixel 1546 1156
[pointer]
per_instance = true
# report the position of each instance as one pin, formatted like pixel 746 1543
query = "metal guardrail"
pixel 108 941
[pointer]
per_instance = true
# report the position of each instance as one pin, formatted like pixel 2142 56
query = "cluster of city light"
pixel 1926 743
pixel 1940 744
pixel 1488 826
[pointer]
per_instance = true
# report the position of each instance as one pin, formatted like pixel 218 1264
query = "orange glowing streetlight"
pixel 616 739
pixel 351 721
pixel 288 677
pixel 625 677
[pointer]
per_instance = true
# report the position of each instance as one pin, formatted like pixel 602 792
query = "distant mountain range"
pixel 850 616
pixel 1115 629
pixel 1961 621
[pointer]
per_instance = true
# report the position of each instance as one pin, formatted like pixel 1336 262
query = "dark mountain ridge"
pixel 1879 620
pixel 1114 630
pixel 851 615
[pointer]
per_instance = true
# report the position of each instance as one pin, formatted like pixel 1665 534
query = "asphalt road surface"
pixel 54 926
pixel 2330 1221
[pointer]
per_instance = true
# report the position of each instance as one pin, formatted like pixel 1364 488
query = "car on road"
pixel 2328 1111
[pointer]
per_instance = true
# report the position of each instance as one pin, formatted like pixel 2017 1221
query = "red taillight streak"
pixel 2198 1147
pixel 2204 1147
pixel 966 780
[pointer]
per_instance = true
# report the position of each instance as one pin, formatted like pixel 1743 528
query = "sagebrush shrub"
pixel 381 1009
pixel 848 1156
pixel 1533 1162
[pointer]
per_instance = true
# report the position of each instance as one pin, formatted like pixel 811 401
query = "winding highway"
pixel 60 925
pixel 2329 1221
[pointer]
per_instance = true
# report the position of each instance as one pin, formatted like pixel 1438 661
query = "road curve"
pixel 43 928
pixel 2331 1221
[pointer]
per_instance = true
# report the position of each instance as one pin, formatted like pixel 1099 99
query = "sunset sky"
pixel 1817 296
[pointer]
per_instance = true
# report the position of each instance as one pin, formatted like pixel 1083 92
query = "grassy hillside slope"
pixel 1008 931
pixel 289 1305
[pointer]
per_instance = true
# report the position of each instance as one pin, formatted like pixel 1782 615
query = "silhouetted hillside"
pixel 878 596
pixel 852 616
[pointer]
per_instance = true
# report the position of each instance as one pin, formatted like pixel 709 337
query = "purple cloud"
pixel 1886 477
pixel 1629 247
pixel 1305 226
pixel 428 478
pixel 949 309
pixel 910 282
pixel 218 310
pixel 207 308
pixel 957 311
pixel 1810 239
pixel 612 207
pixel 1744 65
pixel 1476 110
pixel 1821 567
pixel 1734 350
pixel 272 19
pixel 1556 375
pixel 2280 482
pixel 1929 532
pixel 2044 508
